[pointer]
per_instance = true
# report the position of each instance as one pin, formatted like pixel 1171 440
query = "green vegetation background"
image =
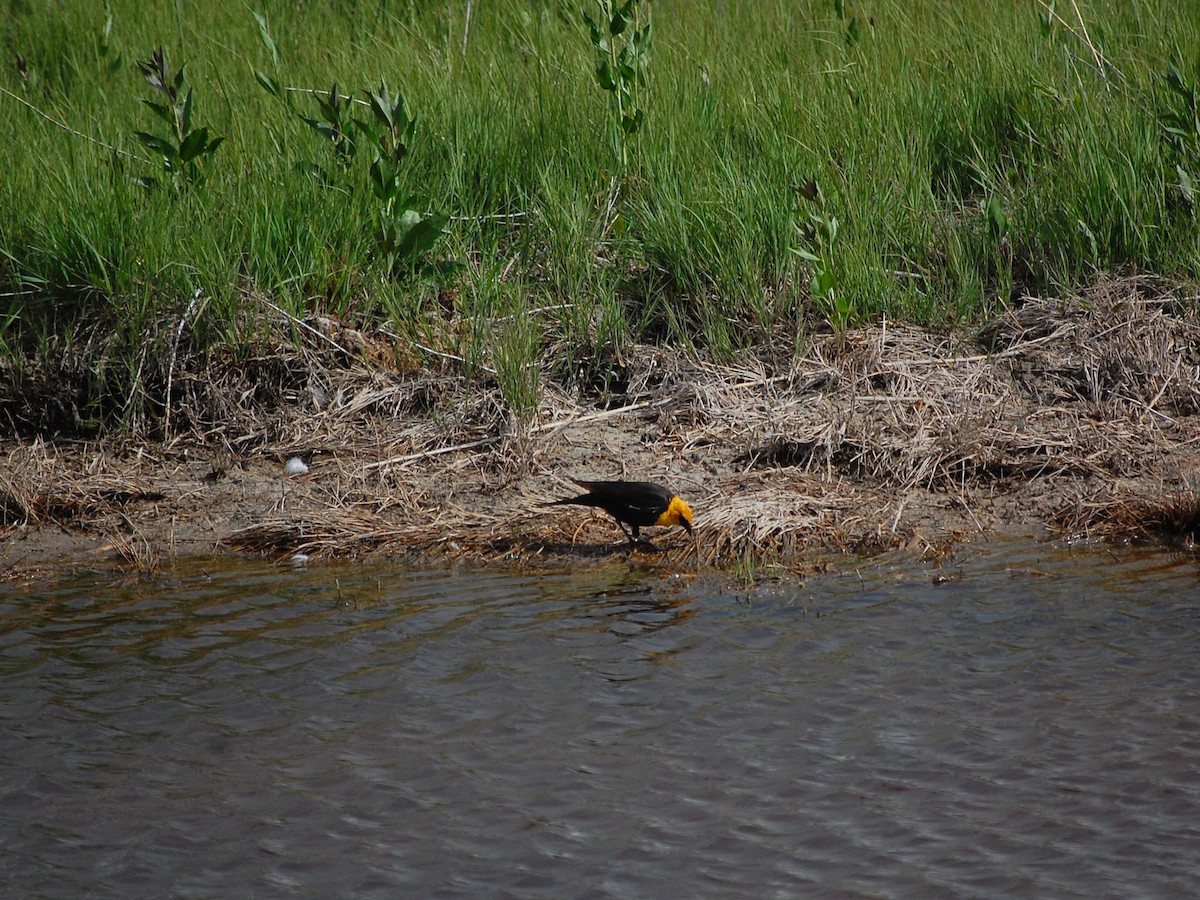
pixel 964 152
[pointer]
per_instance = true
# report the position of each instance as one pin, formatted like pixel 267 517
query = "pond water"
pixel 1028 727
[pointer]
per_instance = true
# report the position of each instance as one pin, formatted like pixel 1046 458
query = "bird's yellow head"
pixel 677 513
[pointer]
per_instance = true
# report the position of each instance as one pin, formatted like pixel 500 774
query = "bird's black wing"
pixel 637 502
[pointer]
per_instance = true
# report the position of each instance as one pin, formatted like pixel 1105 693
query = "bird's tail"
pixel 568 501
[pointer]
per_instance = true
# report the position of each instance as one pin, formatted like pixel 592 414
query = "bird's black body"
pixel 633 503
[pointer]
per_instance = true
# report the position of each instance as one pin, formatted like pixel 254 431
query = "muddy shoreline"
pixel 1073 418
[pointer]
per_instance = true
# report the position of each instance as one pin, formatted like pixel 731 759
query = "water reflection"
pixel 1030 726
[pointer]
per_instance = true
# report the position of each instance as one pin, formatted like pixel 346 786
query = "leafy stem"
pixel 818 235
pixel 182 146
pixel 622 44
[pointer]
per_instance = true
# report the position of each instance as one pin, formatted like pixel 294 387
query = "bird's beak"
pixel 687 526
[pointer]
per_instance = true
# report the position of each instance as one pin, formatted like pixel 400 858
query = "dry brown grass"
pixel 40 484
pixel 1128 511
pixel 835 450
pixel 1068 416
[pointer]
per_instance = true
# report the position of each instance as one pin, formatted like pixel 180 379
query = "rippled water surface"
pixel 1029 728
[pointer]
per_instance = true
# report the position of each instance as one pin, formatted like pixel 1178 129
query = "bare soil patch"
pixel 1066 418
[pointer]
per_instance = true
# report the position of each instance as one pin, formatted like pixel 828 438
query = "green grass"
pixel 910 116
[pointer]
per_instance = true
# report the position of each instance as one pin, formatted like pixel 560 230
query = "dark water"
pixel 1030 728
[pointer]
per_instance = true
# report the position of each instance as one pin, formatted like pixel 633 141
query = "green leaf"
pixel 421 235
pixel 379 110
pixel 183 114
pixel 161 110
pixel 604 76
pixel 320 127
pixel 385 237
pixel 331 105
pixel 997 220
pixel 1175 81
pixel 407 220
pixel 806 255
pixel 593 28
pixel 384 183
pixel 157 144
pixel 381 105
pixel 367 130
pixel 193 145
pixel 617 24
pixel 1185 186
pixel 264 35
pixel 378 178
pixel 852 32
pixel 1091 239
pixel 268 83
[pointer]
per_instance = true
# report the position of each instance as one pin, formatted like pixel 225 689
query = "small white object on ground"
pixel 294 466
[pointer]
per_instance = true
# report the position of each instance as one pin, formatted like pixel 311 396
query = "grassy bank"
pixel 798 166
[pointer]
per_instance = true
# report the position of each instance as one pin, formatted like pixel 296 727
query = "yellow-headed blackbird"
pixel 636 503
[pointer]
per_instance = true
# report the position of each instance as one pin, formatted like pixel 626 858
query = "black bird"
pixel 636 503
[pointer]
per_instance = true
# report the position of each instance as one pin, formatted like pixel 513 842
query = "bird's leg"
pixel 638 541
pixel 635 538
pixel 632 538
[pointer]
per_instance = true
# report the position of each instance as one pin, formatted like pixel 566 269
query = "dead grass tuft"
pixel 1128 349
pixel 1170 513
pixel 40 485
